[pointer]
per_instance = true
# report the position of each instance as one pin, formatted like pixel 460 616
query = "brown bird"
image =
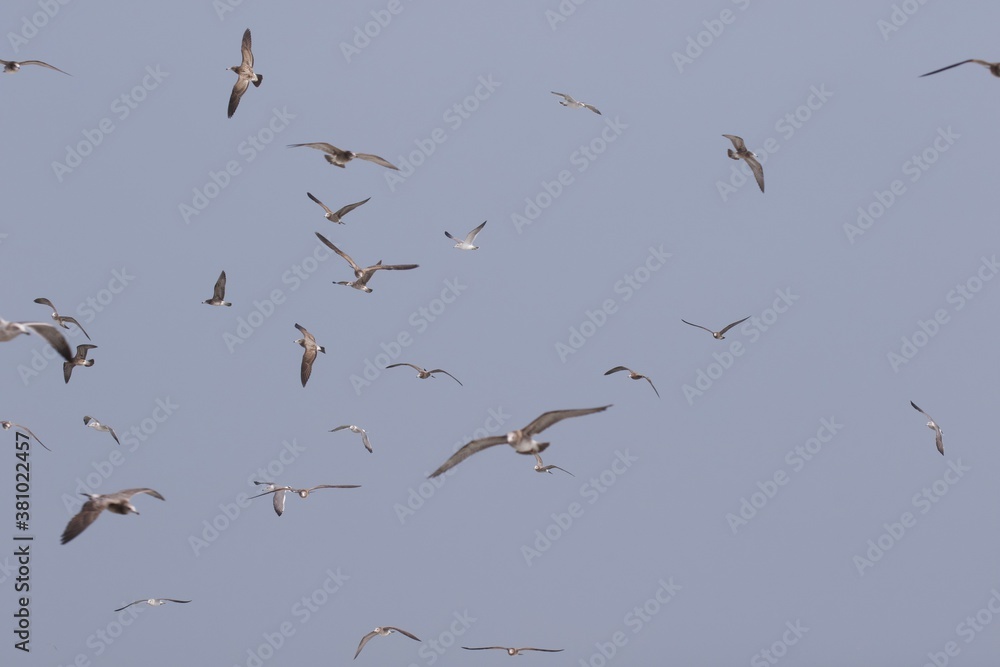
pixel 9 425
pixel 718 335
pixel 931 424
pixel 423 373
pixel 339 158
pixel 634 376
pixel 219 292
pixel 61 320
pixel 741 153
pixel 362 276
pixel 11 66
pixel 993 67
pixel 244 74
pixel 118 503
pixel 336 216
pixel 309 355
pixel 383 631
pixel 511 651
pixel 79 360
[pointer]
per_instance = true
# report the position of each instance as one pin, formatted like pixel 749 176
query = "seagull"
pixel 60 319
pixel 219 292
pixel 635 376
pixel 993 67
pixel 309 356
pixel 340 213
pixel 339 158
pixel 79 360
pixel 548 468
pixel 362 276
pixel 10 66
pixel 520 440
pixel 751 158
pixel 718 335
pixel 8 425
pixel 568 101
pixel 467 243
pixel 383 631
pixel 153 602
pixel 423 373
pixel 356 429
pixel 931 424
pixel 117 503
pixel 511 651
pixel 244 74
pixel 279 492
pixel 52 335
pixel 98 426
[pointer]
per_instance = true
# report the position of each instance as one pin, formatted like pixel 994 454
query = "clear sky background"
pixel 780 496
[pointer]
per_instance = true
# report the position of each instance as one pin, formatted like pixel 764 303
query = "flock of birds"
pixel 521 440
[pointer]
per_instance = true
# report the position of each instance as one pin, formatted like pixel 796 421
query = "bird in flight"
pixel 153 602
pixel 540 467
pixel 568 101
pixel 383 631
pixel 9 425
pixel 993 67
pixel 61 320
pixel 511 651
pixel 11 66
pixel 718 335
pixel 520 440
pixel 118 503
pixel 356 429
pixel 423 373
pixel 340 158
pixel 337 216
pixel 79 360
pixel 219 292
pixel 362 276
pixel 931 424
pixel 98 426
pixel 470 238
pixel 741 152
pixel 244 74
pixel 309 355
pixel 634 376
pixel 279 492
pixel 52 335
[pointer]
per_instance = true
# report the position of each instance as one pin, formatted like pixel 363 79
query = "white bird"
pixel 356 429
pixel 568 101
pixel 153 602
pixel 9 425
pixel 219 292
pixel 741 152
pixel 339 158
pixel 11 66
pixel 337 216
pixel 362 276
pixel 79 360
pixel 469 238
pixel 423 373
pixel 244 74
pixel 118 503
pixel 520 440
pixel 61 320
pixel 540 467
pixel 280 491
pixel 383 631
pixel 309 355
pixel 634 376
pixel 718 335
pixel 993 67
pixel 98 426
pixel 511 651
pixel 52 335
pixel 931 424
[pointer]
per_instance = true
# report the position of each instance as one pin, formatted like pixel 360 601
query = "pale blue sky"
pixel 867 269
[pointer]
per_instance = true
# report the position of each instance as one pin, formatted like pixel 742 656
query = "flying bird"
pixel 469 239
pixel 741 152
pixel 718 335
pixel 520 440
pixel 153 602
pixel 244 74
pixel 539 467
pixel 383 631
pixel 337 216
pixel 511 651
pixel 98 426
pixel 9 425
pixel 340 158
pixel 79 360
pixel 423 373
pixel 11 66
pixel 356 429
pixel 309 355
pixel 279 492
pixel 931 424
pixel 219 292
pixel 52 335
pixel 362 276
pixel 634 376
pixel 61 320
pixel 118 503
pixel 568 101
pixel 993 67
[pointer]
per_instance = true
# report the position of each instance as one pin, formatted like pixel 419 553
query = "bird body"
pixel 244 74
pixel 308 342
pixel 741 153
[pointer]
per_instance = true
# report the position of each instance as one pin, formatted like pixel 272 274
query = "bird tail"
pixel 260 77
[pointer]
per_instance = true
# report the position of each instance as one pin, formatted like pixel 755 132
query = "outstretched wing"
pixel 468 450
pixel 547 419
